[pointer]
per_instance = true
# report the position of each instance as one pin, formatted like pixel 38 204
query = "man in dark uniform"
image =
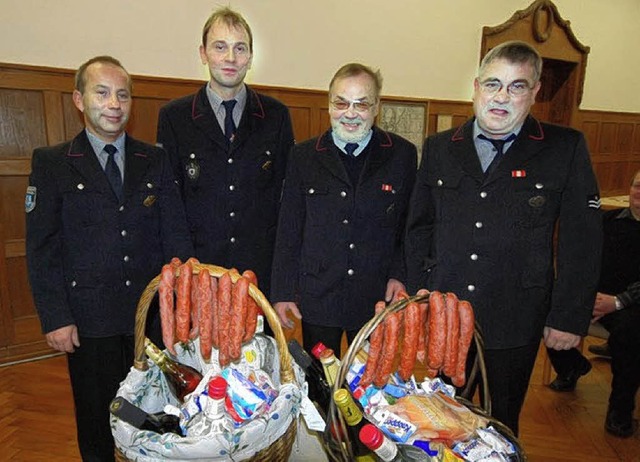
pixel 228 145
pixel 617 308
pixel 482 225
pixel 103 215
pixel 342 217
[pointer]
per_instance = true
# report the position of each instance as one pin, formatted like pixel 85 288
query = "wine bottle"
pixel 387 450
pixel 182 379
pixel 319 389
pixel 355 421
pixel 160 422
pixel 213 418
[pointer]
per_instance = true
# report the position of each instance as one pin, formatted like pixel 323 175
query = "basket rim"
pixel 142 309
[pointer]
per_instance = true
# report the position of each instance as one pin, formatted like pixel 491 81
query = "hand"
pixel 604 305
pixel 282 308
pixel 394 287
pixel 559 340
pixel 64 339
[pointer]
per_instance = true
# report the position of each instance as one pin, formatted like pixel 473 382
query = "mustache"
pixel 503 106
pixel 351 120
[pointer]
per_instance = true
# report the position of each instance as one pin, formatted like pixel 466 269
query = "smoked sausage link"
pixel 453 334
pixel 375 348
pixel 467 327
pixel 410 341
pixel 436 343
pixel 167 315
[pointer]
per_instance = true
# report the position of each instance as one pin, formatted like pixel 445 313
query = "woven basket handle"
pixel 140 362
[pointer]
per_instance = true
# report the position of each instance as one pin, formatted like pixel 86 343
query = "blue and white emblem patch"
pixel 30 199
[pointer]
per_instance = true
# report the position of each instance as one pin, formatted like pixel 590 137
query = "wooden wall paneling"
pixel 6 318
pixel 624 141
pixel 22 122
pixel 459 111
pixel 143 123
pixel 54 123
pixel 608 134
pixel 635 149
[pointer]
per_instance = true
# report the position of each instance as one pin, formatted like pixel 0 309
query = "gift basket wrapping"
pixel 408 403
pixel 267 437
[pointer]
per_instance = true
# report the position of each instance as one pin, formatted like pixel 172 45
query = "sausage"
pixel 390 345
pixel 196 306
pixel 453 334
pixel 183 305
pixel 421 354
pixel 467 327
pixel 238 315
pixel 224 317
pixel 409 350
pixel 176 263
pixel 167 316
pixel 215 342
pixel 253 309
pixel 206 313
pixel 436 342
pixel 375 347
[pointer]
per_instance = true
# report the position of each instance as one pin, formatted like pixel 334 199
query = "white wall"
pixel 424 48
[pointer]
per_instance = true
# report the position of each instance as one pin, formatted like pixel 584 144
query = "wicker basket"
pixel 278 451
pixel 339 449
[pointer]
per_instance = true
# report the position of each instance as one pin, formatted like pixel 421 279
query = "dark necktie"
pixel 350 148
pixel 229 125
pixel 499 145
pixel 113 171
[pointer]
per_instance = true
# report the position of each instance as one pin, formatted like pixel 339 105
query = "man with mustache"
pixel 488 197
pixel 338 247
pixel 228 145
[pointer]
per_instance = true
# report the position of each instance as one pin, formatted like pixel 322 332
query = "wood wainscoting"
pixel 36 109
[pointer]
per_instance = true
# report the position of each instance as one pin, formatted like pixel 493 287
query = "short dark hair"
pixel 230 18
pixel 80 80
pixel 355 69
pixel 514 51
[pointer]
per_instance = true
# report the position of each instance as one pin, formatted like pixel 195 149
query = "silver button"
pixel 232 240
pixel 345 222
pixel 123 233
pixel 350 272
pixel 192 156
pixel 80 186
pixel 127 283
pixel 232 214
pixel 311 190
pixel 478 224
pixel 343 194
pixel 121 208
pixel 268 153
pixel 232 187
pixel 471 287
pixel 150 185
pixel 74 283
pixel 483 194
pixel 230 160
pixel 126 258
pixel 474 256
pixel 440 182
pixel 352 246
pixel 539 186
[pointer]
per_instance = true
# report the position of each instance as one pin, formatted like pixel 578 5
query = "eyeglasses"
pixel 515 88
pixel 358 105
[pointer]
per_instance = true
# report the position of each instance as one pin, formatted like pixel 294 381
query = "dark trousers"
pixel 96 369
pixel 508 374
pixel 330 336
pixel 624 345
pixel 565 362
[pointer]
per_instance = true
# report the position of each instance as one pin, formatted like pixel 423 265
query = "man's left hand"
pixel 559 340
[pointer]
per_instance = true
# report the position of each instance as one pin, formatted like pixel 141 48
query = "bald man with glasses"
pixel 338 245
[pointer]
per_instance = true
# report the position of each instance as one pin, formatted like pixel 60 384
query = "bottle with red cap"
pixel 213 418
pixel 330 363
pixel 373 438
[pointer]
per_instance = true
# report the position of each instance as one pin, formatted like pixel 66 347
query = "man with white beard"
pixel 338 244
